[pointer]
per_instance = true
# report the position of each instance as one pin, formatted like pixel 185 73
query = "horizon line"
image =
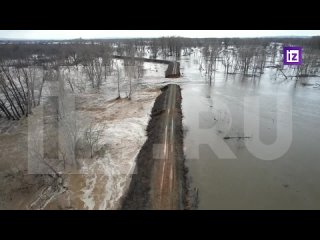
pixel 116 38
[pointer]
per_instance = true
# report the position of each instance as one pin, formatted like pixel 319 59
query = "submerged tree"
pixel 258 61
pixel 210 55
pixel 118 73
pixel 93 134
pixel 227 59
pixel 245 58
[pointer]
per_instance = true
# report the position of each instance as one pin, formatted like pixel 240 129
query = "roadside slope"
pixel 159 178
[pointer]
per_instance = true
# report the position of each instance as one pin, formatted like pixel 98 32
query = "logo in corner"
pixel 292 55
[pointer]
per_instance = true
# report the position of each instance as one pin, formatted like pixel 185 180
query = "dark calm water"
pixel 291 181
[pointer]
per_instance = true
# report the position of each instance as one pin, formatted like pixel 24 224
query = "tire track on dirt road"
pixel 165 188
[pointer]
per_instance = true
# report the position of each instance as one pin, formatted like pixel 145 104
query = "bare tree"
pixel 139 64
pixel 94 70
pixel 227 59
pixel 310 64
pixel 245 57
pixel 106 59
pixel 211 54
pixel 130 71
pixel 98 69
pixel 13 104
pixel 154 48
pixel 21 89
pixel 89 71
pixel 69 132
pixel 93 134
pixel 118 72
pixel 130 67
pixel 80 82
pixel 258 61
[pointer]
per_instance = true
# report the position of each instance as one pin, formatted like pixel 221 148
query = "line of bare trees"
pixel 21 88
pixel 24 67
pixel 24 71
pixel 245 59
pixel 210 54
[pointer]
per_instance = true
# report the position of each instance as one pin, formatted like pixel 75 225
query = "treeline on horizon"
pixel 26 67
pixel 20 49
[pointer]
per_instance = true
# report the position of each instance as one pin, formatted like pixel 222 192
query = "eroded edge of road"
pixel 138 195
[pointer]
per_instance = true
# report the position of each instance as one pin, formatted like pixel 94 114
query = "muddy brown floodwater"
pixel 290 181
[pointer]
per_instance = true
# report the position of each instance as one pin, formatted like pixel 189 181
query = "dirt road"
pixel 173 70
pixel 165 185
pixel 159 181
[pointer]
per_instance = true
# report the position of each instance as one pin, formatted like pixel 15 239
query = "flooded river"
pixel 227 173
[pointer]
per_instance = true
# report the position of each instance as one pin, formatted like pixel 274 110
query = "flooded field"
pixel 74 118
pixel 245 181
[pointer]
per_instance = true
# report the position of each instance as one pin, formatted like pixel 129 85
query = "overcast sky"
pixel 71 34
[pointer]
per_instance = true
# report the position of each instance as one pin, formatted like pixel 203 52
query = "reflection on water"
pixel 245 181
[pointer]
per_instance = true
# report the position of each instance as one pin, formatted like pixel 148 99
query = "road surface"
pixel 165 187
pixel 173 70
